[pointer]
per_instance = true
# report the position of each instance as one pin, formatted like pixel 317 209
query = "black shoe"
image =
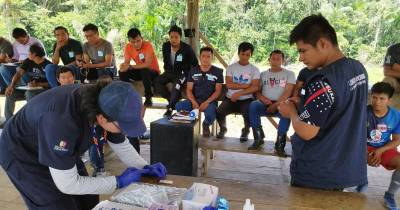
pixel 206 130
pixel 148 102
pixel 221 133
pixel 245 135
pixel 280 145
pixel 168 113
pixel 258 139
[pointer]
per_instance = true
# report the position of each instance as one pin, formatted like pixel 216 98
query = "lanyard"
pixel 96 140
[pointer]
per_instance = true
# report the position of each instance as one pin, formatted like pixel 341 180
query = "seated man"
pixel 277 86
pixel 391 71
pixel 204 84
pixel 33 67
pixel 302 78
pixel 242 80
pixel 383 138
pixel 21 50
pixel 6 53
pixel 178 59
pixel 146 63
pixel 98 56
pixel 69 50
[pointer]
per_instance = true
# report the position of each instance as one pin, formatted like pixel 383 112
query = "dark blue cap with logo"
pixel 119 101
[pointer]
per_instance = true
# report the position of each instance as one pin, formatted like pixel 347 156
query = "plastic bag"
pixel 144 195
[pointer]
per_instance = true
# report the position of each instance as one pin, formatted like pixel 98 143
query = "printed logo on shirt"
pixel 304 115
pixel 382 127
pixel 274 82
pixel 211 77
pixel 242 79
pixel 376 136
pixel 357 81
pixel 62 146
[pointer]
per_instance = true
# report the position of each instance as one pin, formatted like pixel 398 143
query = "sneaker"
pixel 148 102
pixel 389 200
pixel 206 130
pixel 362 188
pixel 168 113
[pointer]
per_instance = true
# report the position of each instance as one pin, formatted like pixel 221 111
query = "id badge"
pixel 303 92
pixel 179 58
pixel 141 56
pixel 100 53
pixel 71 54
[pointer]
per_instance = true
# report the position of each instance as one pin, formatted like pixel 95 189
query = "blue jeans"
pixel 7 73
pixel 257 109
pixel 210 112
pixel 51 70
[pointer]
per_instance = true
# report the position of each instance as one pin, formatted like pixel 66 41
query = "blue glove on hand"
pixel 209 208
pixel 129 176
pixel 156 170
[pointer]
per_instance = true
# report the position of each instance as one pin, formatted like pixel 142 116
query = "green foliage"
pixel 365 28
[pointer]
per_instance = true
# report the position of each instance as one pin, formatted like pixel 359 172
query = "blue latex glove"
pixel 156 170
pixel 209 208
pixel 129 176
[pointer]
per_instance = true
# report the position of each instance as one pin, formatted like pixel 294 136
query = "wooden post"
pixel 192 22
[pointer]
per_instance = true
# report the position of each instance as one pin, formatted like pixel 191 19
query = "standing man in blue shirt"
pixel 330 129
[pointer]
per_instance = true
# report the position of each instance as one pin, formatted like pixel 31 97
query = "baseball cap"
pixel 119 101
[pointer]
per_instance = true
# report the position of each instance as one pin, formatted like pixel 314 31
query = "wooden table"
pixel 266 196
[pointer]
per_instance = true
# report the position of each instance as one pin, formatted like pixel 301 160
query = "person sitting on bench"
pixel 146 66
pixel 98 56
pixel 277 86
pixel 178 58
pixel 242 81
pixel 204 85
pixel 65 75
pixel 383 138
pixel 66 49
pixel 31 68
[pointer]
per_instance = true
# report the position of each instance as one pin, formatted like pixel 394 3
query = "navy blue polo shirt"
pixel 51 130
pixel 333 99
pixel 204 82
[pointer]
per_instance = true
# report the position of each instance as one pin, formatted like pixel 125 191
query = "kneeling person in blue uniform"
pixel 40 146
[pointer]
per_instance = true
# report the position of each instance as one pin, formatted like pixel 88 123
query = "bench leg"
pixel 212 154
pixel 206 161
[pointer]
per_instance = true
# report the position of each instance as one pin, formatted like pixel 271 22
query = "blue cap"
pixel 120 102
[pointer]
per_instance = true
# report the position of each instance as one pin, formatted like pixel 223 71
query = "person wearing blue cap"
pixel 40 146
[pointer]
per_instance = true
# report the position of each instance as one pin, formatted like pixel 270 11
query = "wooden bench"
pixel 231 144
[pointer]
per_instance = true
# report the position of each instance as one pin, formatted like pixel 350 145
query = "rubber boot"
pixel 245 134
pixel 258 139
pixel 280 145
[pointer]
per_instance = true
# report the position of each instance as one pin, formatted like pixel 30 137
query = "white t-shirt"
pixel 273 83
pixel 21 50
pixel 242 75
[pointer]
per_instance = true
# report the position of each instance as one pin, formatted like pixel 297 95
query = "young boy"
pixel 383 137
pixel 65 75
pixel 276 86
pixel 242 81
pixel 328 148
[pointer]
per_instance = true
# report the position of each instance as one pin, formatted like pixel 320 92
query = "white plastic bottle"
pixel 194 113
pixel 247 205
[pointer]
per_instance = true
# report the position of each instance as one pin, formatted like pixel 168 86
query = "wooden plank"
pixel 231 144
